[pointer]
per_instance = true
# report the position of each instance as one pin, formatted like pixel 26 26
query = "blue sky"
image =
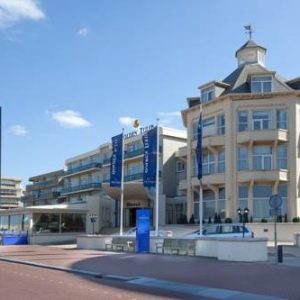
pixel 72 70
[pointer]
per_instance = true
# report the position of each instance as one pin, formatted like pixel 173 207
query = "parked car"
pixel 224 230
pixel 161 232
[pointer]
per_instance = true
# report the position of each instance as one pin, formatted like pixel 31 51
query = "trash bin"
pixel 280 254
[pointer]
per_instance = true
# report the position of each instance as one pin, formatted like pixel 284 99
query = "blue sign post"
pixel 143 230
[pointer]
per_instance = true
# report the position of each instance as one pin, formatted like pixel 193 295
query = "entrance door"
pixel 132 217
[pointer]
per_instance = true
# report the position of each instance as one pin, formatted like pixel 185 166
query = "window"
pixel 221 124
pixel 179 166
pixel 209 202
pixel 262 157
pixel 281 118
pixel 283 193
pixel 221 161
pixel 208 163
pixel 261 207
pixel 242 158
pixel 45 222
pixel 133 147
pixel 207 94
pixel 209 127
pixel 242 121
pixel 261 84
pixel 243 197
pixel 261 120
pixel 73 222
pixel 282 157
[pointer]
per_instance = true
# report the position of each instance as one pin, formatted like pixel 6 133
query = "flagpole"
pixel 157 177
pixel 122 185
pixel 200 182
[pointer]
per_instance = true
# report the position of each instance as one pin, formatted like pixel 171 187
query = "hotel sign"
pixel 141 130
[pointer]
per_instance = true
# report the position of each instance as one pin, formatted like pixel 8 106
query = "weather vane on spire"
pixel 249 30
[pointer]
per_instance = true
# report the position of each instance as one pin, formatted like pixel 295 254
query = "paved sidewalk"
pixel 200 276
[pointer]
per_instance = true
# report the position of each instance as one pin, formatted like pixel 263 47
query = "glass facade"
pixel 281 118
pixel 261 120
pixel 208 163
pixel 242 121
pixel 221 161
pixel 209 204
pixel 282 161
pixel 207 94
pixel 243 197
pixel 261 207
pixel 242 158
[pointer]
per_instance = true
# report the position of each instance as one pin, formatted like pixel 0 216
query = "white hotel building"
pixel 251 150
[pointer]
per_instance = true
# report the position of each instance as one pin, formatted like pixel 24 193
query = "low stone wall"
pixel 235 249
pixel 52 238
pixel 285 231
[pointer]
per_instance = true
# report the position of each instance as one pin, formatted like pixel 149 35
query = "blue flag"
pixel 199 147
pixel 116 160
pixel 150 143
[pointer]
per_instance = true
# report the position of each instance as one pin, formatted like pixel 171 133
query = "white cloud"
pixel 14 11
pixel 70 119
pixel 83 31
pixel 170 114
pixel 18 130
pixel 127 121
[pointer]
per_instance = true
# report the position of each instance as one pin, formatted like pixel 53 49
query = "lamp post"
pixel 93 218
pixel 243 217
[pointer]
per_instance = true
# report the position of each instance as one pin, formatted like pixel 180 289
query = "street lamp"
pixel 93 218
pixel 243 217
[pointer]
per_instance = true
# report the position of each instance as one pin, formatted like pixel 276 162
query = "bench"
pixel 176 246
pixel 120 243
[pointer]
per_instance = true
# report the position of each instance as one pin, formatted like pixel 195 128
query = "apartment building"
pixel 11 192
pixel 44 189
pixel 251 127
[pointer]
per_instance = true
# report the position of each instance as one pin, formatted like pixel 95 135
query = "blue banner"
pixel 199 147
pixel 150 143
pixel 116 160
pixel 143 230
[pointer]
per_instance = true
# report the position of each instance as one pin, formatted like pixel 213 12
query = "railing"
pixel 133 177
pixel 41 184
pixel 83 168
pixel 129 154
pixel 106 161
pixel 94 185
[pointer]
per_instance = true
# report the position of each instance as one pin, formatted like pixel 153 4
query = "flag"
pixel 150 144
pixel 248 27
pixel 116 160
pixel 199 147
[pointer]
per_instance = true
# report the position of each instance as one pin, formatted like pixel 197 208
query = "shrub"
pixel 228 220
pixel 264 220
pixel 296 220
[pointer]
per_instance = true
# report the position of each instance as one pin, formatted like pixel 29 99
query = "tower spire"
pixel 249 30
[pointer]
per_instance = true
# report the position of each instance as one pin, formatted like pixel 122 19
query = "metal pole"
pixel 275 239
pixel 0 153
pixel 157 178
pixel 201 187
pixel 243 225
pixel 122 186
pixel 201 209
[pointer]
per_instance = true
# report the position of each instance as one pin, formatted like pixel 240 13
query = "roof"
pixel 239 79
pixel 249 44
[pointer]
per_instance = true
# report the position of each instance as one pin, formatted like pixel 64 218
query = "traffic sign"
pixel 275 201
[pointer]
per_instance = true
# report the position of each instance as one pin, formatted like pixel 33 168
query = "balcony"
pixel 41 184
pixel 181 152
pixel 262 175
pixel 137 152
pixel 182 184
pixel 262 136
pixel 106 161
pixel 134 177
pixel 82 169
pixel 212 136
pixel 81 188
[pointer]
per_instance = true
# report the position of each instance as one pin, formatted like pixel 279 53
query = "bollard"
pixel 279 254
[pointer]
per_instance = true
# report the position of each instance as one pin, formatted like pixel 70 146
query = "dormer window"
pixel 207 94
pixel 261 84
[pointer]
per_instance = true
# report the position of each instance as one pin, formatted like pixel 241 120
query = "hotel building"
pixel 250 145
pixel 86 181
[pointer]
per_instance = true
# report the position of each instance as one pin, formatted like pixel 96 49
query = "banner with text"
pixel 116 160
pixel 150 142
pixel 199 147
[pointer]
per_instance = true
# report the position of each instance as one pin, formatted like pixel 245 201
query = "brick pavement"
pixel 277 280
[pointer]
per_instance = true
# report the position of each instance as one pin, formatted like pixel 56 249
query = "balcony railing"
pixel 87 186
pixel 106 161
pixel 83 168
pixel 133 177
pixel 129 154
